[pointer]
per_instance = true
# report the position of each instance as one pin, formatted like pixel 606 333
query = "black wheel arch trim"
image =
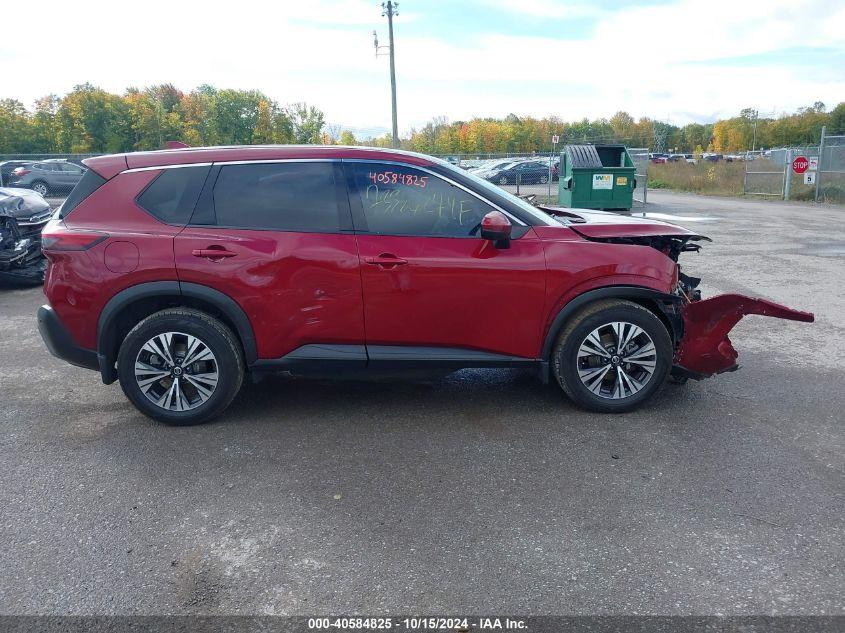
pixel 660 299
pixel 107 348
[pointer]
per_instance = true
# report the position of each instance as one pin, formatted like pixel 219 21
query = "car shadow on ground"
pixel 477 396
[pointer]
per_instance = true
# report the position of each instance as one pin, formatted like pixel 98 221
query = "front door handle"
pixel 386 260
pixel 212 253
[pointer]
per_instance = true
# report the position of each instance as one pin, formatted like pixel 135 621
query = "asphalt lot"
pixel 484 492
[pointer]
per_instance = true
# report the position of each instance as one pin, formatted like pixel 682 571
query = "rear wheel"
pixel 503 180
pixel 544 179
pixel 40 188
pixel 612 356
pixel 180 366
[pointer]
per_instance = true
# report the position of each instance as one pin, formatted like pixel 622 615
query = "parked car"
pixel 658 158
pixel 493 164
pixel 686 158
pixel 178 273
pixel 524 172
pixel 23 214
pixel 7 167
pixel 48 176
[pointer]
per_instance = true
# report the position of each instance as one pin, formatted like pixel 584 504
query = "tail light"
pixel 20 171
pixel 57 237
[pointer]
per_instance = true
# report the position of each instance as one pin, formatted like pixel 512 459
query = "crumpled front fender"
pixel 705 348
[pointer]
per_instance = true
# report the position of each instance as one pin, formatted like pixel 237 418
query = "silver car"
pixel 48 176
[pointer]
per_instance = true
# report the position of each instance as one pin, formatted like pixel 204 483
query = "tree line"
pixel 527 134
pixel 89 120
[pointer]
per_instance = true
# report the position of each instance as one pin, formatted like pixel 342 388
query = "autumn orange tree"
pixel 91 120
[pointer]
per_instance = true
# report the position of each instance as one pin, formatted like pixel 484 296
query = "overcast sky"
pixel 674 60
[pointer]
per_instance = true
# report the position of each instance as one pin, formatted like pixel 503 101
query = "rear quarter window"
pixel 172 196
pixel 88 184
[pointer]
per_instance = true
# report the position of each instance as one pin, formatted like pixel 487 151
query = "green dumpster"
pixel 596 177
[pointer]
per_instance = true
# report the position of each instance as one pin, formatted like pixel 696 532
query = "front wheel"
pixel 180 366
pixel 503 180
pixel 544 179
pixel 40 188
pixel 612 356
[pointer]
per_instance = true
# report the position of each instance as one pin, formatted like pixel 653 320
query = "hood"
pixel 602 225
pixel 22 204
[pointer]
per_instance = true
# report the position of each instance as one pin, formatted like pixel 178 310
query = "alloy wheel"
pixel 40 188
pixel 176 371
pixel 616 360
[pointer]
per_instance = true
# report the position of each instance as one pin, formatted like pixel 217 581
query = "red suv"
pixel 179 272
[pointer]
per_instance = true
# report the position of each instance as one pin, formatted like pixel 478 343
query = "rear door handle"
pixel 386 260
pixel 212 253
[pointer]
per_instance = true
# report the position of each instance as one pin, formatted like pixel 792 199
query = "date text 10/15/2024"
pixel 459 624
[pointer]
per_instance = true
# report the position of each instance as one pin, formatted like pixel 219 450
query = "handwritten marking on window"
pixel 395 178
pixel 388 202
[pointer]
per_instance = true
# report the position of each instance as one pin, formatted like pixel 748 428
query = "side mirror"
pixel 496 227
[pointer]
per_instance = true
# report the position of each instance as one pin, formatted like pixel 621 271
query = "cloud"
pixel 666 61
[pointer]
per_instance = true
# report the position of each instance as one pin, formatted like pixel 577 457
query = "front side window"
pixel 401 200
pixel 285 196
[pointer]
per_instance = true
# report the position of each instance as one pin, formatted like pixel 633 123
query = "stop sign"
pixel 800 165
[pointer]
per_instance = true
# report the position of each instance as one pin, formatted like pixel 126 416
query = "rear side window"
pixel 89 183
pixel 278 196
pixel 172 196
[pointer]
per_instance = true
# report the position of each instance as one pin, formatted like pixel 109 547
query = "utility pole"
pixel 390 9
pixel 754 137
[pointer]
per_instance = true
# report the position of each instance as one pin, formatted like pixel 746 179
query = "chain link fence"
pixel 830 186
pixel 641 161
pixel 538 174
pixel 772 174
pixel 768 175
pixel 764 176
pixel 522 173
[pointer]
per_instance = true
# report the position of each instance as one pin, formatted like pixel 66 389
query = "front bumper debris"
pixel 705 348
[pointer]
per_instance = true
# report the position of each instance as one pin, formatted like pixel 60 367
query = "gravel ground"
pixel 481 492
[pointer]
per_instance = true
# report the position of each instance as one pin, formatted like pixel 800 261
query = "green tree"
pixel 836 121
pixel 306 123
pixel 347 138
pixel 14 127
pixel 43 125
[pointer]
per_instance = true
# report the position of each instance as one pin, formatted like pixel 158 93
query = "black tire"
pixel 503 180
pixel 223 344
pixel 544 179
pixel 576 330
pixel 39 186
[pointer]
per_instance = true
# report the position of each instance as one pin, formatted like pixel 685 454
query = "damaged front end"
pixel 701 326
pixel 21 260
pixel 705 348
